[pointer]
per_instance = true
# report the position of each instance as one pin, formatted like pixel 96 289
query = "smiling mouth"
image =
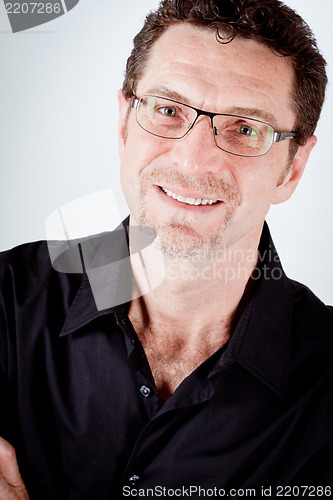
pixel 189 201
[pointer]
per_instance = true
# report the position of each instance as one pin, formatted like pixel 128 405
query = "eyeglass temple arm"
pixel 134 102
pixel 283 136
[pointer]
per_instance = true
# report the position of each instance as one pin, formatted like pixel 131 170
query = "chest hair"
pixel 172 359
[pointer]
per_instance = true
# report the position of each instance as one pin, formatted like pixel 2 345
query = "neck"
pixel 198 295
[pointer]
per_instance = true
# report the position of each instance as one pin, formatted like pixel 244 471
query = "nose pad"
pixel 215 133
pixel 199 119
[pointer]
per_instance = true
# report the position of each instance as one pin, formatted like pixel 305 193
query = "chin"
pixel 179 241
pixel 184 242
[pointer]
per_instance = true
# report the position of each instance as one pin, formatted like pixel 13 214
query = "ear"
pixel 123 105
pixel 288 185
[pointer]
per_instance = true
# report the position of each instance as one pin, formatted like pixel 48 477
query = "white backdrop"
pixel 58 132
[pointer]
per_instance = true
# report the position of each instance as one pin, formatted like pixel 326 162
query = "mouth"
pixel 189 201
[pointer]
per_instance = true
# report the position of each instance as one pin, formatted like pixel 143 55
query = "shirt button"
pixel 145 391
pixel 134 479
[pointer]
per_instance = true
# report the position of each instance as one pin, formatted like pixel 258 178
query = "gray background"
pixel 59 136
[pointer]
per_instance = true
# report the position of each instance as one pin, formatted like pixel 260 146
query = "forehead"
pixel 190 61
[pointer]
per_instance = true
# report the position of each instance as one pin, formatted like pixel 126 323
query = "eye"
pixel 168 111
pixel 247 130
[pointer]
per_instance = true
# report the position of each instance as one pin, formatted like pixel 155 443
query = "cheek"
pixel 257 183
pixel 140 150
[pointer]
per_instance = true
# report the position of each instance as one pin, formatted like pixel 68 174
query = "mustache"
pixel 217 188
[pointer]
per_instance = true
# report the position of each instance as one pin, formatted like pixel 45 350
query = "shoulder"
pixel 24 261
pixel 26 249
pixel 27 275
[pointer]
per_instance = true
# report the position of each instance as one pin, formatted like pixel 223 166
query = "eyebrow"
pixel 255 113
pixel 169 94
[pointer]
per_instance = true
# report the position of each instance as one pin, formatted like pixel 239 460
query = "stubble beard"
pixel 178 236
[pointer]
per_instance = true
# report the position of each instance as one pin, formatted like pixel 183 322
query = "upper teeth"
pixel 189 201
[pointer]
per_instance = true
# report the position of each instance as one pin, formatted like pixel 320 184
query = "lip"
pixel 187 194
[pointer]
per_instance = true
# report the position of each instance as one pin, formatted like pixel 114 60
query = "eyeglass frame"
pixel 276 136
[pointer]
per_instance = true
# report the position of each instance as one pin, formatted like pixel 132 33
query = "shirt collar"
pixel 106 277
pixel 261 339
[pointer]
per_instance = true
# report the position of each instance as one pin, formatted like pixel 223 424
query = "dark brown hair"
pixel 269 22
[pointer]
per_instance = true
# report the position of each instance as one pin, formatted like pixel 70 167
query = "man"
pixel 217 381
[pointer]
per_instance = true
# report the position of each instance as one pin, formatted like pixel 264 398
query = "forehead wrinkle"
pixel 207 74
pixel 193 82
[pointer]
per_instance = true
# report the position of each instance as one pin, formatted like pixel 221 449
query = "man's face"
pixel 243 78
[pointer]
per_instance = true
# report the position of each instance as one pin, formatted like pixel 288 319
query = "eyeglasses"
pixel 237 135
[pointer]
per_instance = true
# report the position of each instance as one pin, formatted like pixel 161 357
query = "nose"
pixel 197 151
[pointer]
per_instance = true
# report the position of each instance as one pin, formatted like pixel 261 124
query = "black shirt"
pixel 79 403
